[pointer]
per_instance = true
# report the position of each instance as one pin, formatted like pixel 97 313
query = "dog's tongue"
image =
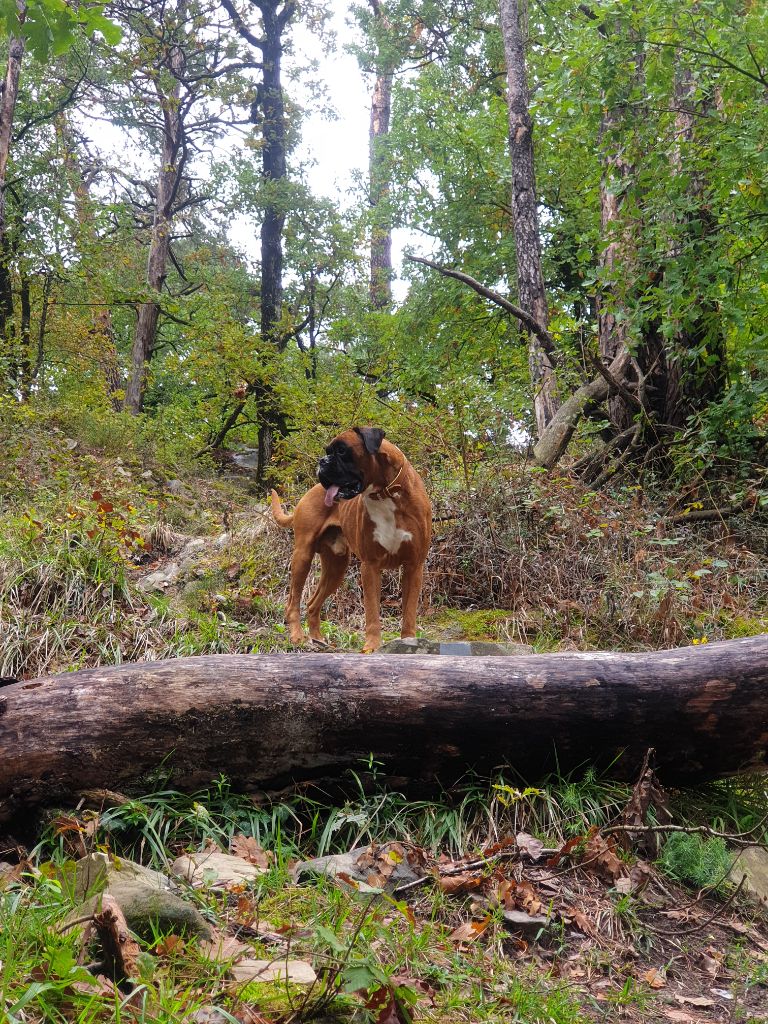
pixel 330 494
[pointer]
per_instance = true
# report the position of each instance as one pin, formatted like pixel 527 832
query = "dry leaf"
pixel 639 875
pixel 469 931
pixel 249 849
pixel 702 1001
pixel 581 921
pixel 600 858
pixel 565 850
pixel 455 884
pixel 654 977
pixel 529 846
pixel 170 945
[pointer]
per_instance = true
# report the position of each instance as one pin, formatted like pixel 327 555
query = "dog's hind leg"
pixel 334 567
pixel 301 563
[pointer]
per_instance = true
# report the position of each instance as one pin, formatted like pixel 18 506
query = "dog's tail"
pixel 280 517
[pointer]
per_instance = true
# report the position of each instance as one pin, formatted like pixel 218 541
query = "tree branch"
pixel 546 339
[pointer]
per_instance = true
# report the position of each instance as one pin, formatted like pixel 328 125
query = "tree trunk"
pixel 102 328
pixel 271 721
pixel 7 109
pixel 530 280
pixel 269 109
pixel 168 181
pixel 615 257
pixel 25 340
pixel 380 289
pixel 696 358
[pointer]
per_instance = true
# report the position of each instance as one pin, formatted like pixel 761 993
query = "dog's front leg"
pixel 371 576
pixel 412 578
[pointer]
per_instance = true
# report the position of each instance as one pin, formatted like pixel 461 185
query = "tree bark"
pixel 530 280
pixel 7 109
pixel 168 181
pixel 271 721
pixel 696 359
pixel 268 109
pixel 552 444
pixel 380 289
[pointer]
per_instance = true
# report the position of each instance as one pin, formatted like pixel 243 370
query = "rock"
pixel 528 925
pixel 147 475
pixel 222 540
pixel 148 910
pixel 96 872
pixel 461 648
pixel 298 972
pixel 189 556
pixel 246 458
pixel 160 579
pixel 143 894
pixel 123 472
pixel 178 488
pixel 212 867
pixel 752 861
pixel 357 865
pixel 210 1015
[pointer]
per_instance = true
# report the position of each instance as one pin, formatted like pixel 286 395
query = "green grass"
pixel 387 947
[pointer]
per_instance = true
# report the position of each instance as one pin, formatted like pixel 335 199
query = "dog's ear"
pixel 372 438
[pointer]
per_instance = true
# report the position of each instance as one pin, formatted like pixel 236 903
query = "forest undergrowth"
pixel 516 555
pixel 645 929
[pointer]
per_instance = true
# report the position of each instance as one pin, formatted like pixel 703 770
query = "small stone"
pixel 160 579
pixel 529 925
pixel 298 972
pixel 147 475
pixel 122 472
pixel 97 871
pixel 178 488
pixel 212 867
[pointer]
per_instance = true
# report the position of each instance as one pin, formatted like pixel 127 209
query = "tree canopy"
pixel 587 183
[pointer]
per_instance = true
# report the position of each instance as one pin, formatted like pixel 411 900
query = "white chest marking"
pixel 385 529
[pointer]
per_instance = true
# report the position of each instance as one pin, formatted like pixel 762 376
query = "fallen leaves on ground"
pixel 249 849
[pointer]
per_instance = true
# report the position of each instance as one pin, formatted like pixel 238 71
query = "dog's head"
pixel 345 468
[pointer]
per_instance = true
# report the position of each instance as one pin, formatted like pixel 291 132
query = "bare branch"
pixel 546 339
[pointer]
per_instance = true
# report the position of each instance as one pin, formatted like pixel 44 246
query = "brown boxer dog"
pixel 371 503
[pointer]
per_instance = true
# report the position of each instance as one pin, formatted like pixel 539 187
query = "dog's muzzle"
pixel 339 482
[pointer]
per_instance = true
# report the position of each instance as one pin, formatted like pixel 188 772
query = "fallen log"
pixel 270 721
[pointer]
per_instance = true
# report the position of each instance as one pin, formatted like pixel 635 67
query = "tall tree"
pixel 268 113
pixel 7 109
pixel 380 287
pixel 173 88
pixel 173 157
pixel 530 279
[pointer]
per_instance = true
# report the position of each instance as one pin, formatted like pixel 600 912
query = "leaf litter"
pixel 591 914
